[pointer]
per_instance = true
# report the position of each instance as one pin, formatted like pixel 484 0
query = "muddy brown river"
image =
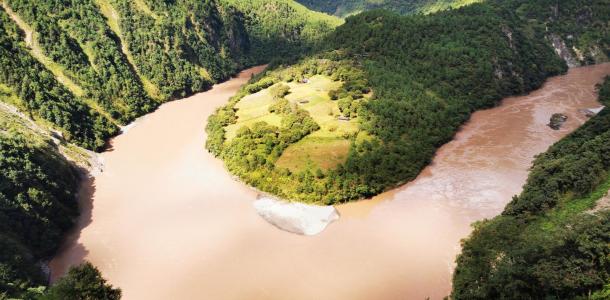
pixel 166 221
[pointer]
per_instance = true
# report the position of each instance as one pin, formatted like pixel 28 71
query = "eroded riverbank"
pixel 166 221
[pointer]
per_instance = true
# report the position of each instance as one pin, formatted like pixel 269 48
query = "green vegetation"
pixel 87 66
pixel 281 29
pixel 580 28
pixel 82 282
pixel 75 36
pixel 344 8
pixel 38 200
pixel 38 206
pixel 315 152
pixel 552 240
pixel 362 109
pixel 28 85
pixel 279 131
pixel 427 74
pixel 583 27
pixel 181 47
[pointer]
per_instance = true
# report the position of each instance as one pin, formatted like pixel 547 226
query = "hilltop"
pixel 344 8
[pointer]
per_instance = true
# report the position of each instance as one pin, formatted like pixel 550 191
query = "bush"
pixel 83 282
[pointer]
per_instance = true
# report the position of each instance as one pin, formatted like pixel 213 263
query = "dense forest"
pixel 578 30
pixel 88 66
pixel 38 93
pixel 427 74
pixel 37 196
pixel 281 29
pixel 552 240
pixel 38 206
pixel 344 8
pixel 87 52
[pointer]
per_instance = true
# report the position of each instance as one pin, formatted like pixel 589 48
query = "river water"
pixel 166 221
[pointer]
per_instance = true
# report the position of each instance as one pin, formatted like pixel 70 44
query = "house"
pixel 303 101
pixel 343 118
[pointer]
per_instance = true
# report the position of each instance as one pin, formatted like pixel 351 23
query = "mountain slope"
pixel 344 8
pixel 38 200
pixel 76 38
pixel 552 240
pixel 426 73
pixel 579 31
pixel 35 90
pixel 282 28
pixel 121 59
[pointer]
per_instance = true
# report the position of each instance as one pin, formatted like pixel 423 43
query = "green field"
pixel 325 148
pixel 321 152
pixel 251 109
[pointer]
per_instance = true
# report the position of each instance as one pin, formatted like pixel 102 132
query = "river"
pixel 166 221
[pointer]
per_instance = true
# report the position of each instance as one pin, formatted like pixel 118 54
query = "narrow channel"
pixel 166 221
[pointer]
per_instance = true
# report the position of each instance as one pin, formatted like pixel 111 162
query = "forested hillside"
pixel 344 8
pixel 38 202
pixel 578 30
pixel 28 85
pixel 552 240
pixel 427 74
pixel 281 28
pixel 87 66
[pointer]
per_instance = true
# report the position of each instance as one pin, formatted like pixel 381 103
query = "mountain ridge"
pixel 345 8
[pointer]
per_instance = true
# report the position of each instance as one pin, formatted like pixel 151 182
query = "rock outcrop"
pixel 557 121
pixel 563 51
pixel 296 217
pixel 591 112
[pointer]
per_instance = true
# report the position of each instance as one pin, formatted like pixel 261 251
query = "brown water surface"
pixel 166 221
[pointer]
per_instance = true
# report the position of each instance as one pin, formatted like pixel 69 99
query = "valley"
pixel 463 143
pixel 176 213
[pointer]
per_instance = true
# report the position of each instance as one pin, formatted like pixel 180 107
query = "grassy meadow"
pixel 323 149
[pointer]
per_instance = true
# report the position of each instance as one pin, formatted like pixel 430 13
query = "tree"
pixel 279 91
pixel 83 282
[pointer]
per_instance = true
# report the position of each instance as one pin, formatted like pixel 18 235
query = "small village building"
pixel 343 118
